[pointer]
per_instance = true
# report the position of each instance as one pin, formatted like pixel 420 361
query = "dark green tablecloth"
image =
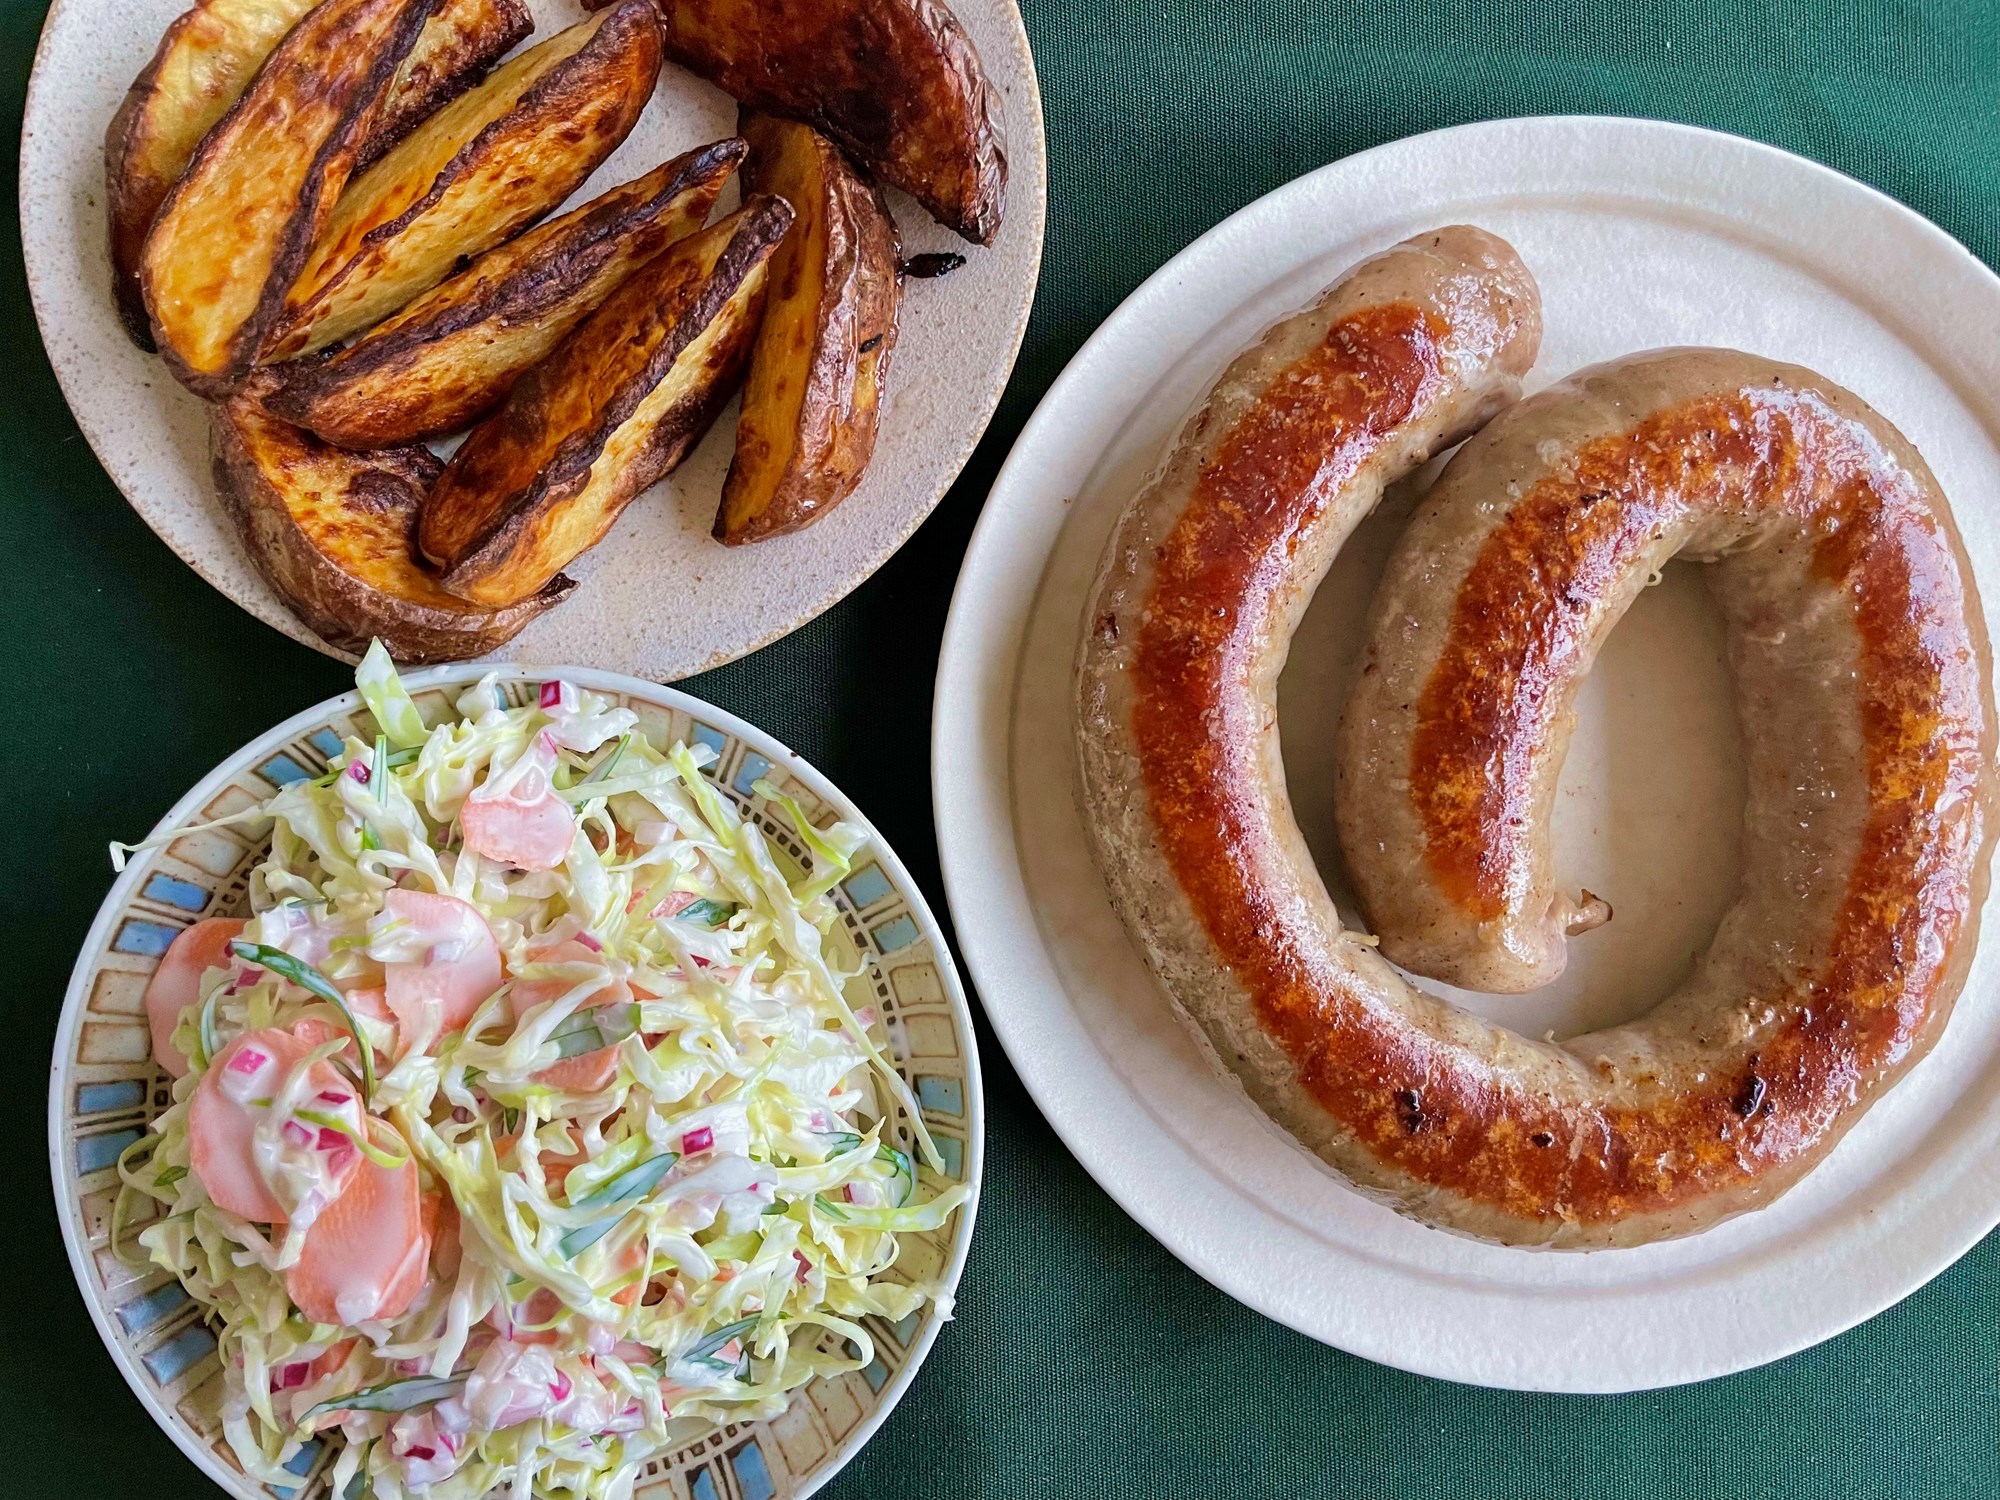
pixel 1085 1360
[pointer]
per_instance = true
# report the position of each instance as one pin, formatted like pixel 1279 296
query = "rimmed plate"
pixel 659 597
pixel 104 1088
pixel 1642 234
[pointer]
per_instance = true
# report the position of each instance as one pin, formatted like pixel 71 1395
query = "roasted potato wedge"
pixel 450 357
pixel 476 173
pixel 335 534
pixel 897 83
pixel 816 367
pixel 235 229
pixel 453 52
pixel 206 60
pixel 611 411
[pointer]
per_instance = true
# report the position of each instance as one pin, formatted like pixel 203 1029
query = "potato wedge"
pixel 611 411
pixel 203 64
pixel 205 61
pixel 897 83
pixel 453 52
pixel 814 389
pixel 335 535
pixel 449 357
pixel 235 229
pixel 474 174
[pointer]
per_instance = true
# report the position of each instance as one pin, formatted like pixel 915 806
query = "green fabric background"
pixel 1085 1360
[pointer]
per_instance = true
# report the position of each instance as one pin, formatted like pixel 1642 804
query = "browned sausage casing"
pixel 1863 679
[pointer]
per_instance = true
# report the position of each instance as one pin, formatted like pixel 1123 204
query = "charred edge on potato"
pixel 821 356
pixel 897 83
pixel 554 107
pixel 321 39
pixel 211 54
pixel 758 228
pixel 155 131
pixel 464 39
pixel 373 391
pixel 334 535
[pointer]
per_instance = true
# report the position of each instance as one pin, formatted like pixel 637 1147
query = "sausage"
pixel 1863 678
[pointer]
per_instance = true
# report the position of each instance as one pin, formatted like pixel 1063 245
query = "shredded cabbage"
pixel 662 1188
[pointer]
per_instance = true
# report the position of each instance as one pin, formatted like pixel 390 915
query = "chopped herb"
pixel 604 767
pixel 707 1351
pixel 908 1173
pixel 396 1395
pixel 708 913
pixel 306 977
pixel 617 1195
pixel 205 1026
pixel 594 1030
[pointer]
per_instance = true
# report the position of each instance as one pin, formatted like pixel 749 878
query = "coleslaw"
pixel 524 1130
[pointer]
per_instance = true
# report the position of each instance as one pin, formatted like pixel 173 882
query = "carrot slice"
pixel 176 983
pixel 367 1256
pixel 589 1072
pixel 461 966
pixel 222 1128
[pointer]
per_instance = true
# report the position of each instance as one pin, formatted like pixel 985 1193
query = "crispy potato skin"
pixel 473 175
pixel 452 355
pixel 205 61
pixel 335 534
pixel 234 230
pixel 816 369
pixel 453 52
pixel 897 83
pixel 609 413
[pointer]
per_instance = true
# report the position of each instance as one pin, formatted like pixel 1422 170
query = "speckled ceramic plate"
pixel 1641 235
pixel 659 597
pixel 104 1089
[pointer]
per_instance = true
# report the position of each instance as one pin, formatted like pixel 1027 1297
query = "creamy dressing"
pixel 459 1248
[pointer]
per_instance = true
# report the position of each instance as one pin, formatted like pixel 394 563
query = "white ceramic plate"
pixel 104 1088
pixel 660 598
pixel 1641 234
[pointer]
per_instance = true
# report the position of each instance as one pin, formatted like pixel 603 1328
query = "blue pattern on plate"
pixel 301 1465
pixel 753 1475
pixel 867 885
pixel 96 1152
pixel 327 741
pixel 101 1098
pixel 704 1485
pixel 715 739
pixel 142 1313
pixel 171 892
pixel 952 1154
pixel 146 939
pixel 282 770
pixel 179 1354
pixel 899 932
pixel 945 1096
pixel 750 772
